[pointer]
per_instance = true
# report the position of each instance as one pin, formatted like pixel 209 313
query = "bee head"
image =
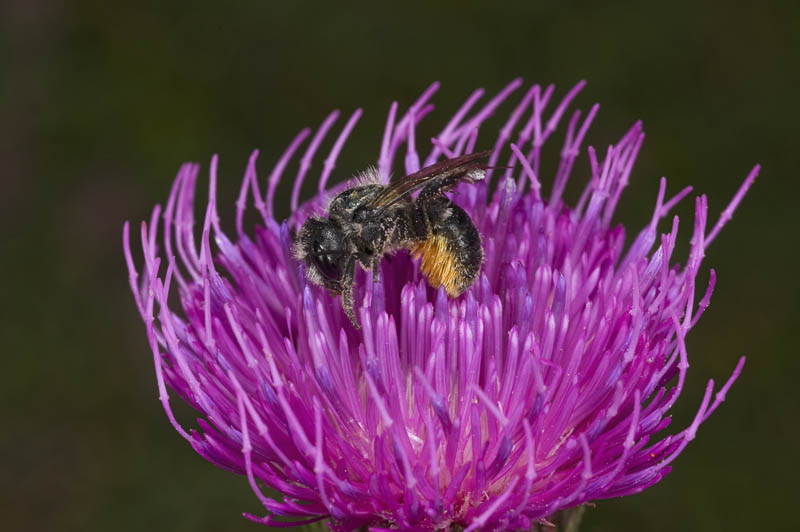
pixel 321 245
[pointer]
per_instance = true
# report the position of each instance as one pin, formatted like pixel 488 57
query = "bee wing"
pixel 456 169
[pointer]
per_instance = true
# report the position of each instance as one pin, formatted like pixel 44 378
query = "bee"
pixel 367 221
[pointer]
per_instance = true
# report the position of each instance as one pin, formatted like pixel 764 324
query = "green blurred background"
pixel 101 101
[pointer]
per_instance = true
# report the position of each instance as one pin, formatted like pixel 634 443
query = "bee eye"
pixel 323 244
pixel 328 267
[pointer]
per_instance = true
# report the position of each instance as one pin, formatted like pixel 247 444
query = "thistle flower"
pixel 547 385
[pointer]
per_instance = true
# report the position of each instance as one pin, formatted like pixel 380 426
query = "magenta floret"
pixel 542 388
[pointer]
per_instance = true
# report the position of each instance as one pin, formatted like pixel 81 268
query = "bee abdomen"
pixel 452 253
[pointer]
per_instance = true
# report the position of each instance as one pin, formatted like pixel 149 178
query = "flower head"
pixel 546 385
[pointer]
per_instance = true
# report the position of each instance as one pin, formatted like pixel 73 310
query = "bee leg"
pixel 376 236
pixel 376 269
pixel 346 286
